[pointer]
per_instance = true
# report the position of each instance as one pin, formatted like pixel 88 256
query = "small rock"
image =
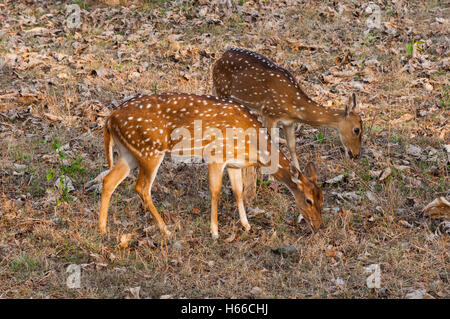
pixel 413 181
pixel 203 11
pixel 414 150
pixel 379 209
pixel 348 196
pixel 336 179
pixel 416 294
pixel 382 292
pixel 134 75
pixel 357 85
pixel 443 228
pixel 101 72
pixel 390 31
pixel 64 182
pixel 340 178
pixel 371 196
pixel 405 224
pixel 428 87
pixel 252 212
pixel 385 174
pixel 286 250
pixel 256 291
pixel 401 167
pixel 447 149
pixel 134 292
pixel 339 281
pixel 336 209
pixel 372 62
pixel 19 166
pixel 57 220
pixel 174 262
pixel 177 245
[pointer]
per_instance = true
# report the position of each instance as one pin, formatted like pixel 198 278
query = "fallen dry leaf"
pixel 124 240
pixel 331 253
pixel 134 292
pixel 38 31
pixel 300 45
pixel 385 174
pixel 439 208
pixel 403 118
pixel 64 119
pixel 230 238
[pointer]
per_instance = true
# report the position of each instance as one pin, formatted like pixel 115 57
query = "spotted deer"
pixel 253 80
pixel 145 128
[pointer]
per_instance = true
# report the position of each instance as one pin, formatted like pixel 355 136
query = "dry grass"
pixel 63 99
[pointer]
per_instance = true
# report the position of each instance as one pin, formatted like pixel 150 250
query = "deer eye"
pixel 356 130
pixel 309 201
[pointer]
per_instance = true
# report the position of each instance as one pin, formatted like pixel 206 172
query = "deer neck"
pixel 283 174
pixel 311 113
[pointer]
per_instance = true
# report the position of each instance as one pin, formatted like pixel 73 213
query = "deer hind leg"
pixel 290 137
pixel 235 175
pixel 110 182
pixel 215 171
pixel 147 174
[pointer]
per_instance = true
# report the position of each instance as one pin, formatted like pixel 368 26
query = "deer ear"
pixel 347 110
pixel 294 173
pixel 310 172
pixel 355 107
pixel 351 105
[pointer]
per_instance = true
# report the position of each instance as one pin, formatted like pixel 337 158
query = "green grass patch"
pixel 24 264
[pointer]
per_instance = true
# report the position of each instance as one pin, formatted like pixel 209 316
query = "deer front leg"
pixel 235 175
pixel 271 123
pixel 290 137
pixel 215 183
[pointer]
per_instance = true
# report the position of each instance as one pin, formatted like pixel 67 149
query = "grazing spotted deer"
pixel 146 127
pixel 253 80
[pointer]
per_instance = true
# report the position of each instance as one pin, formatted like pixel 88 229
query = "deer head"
pixel 350 129
pixel 308 195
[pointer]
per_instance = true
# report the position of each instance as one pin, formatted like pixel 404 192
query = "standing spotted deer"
pixel 253 80
pixel 145 128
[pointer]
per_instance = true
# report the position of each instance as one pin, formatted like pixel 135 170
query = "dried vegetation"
pixel 57 85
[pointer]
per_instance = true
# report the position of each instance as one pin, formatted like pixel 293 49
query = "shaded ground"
pixel 58 84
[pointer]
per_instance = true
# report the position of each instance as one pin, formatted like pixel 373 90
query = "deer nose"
pixel 315 227
pixel 353 156
pixel 315 224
